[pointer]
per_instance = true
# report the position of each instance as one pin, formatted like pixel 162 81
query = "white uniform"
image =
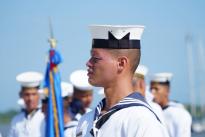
pixel 173 103
pixel 78 115
pixel 70 129
pixel 177 120
pixel 158 110
pixel 156 107
pixel 130 121
pixel 27 126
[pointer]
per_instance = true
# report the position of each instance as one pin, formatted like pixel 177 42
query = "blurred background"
pixel 173 41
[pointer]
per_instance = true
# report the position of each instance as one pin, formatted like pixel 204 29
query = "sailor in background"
pixel 177 118
pixel 83 93
pixel 115 56
pixel 28 122
pixel 139 85
pixel 70 123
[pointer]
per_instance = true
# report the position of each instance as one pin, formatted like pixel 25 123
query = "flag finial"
pixel 51 40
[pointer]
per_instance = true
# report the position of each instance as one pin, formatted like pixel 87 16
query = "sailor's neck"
pixel 31 110
pixel 164 103
pixel 114 95
pixel 30 113
pixel 67 117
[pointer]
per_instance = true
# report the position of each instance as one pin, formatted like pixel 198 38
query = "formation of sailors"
pixel 130 107
pixel 30 122
pixel 77 98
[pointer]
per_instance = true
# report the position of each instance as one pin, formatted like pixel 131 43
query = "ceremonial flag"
pixel 54 118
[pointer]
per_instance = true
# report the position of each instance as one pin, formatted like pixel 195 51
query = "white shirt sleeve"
pixel 71 132
pixel 182 126
pixel 144 127
pixel 12 128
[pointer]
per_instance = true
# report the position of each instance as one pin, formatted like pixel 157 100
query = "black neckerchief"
pixel 31 113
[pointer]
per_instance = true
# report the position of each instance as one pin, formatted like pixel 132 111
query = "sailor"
pixel 70 123
pixel 28 122
pixel 139 85
pixel 177 118
pixel 115 55
pixel 83 93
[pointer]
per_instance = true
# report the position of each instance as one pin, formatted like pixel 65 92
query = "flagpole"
pixel 52 42
pixel 54 105
pixel 55 123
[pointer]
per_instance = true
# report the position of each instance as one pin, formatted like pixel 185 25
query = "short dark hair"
pixel 24 88
pixel 166 83
pixel 133 54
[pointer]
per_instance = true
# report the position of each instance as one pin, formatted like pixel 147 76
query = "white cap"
pixel 142 70
pixel 67 89
pixel 30 79
pixel 79 79
pixel 115 33
pixel 118 31
pixel 162 77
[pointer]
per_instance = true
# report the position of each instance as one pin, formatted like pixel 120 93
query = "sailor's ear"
pixel 122 63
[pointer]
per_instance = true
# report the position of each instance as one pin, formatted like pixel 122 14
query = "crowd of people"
pixel 130 107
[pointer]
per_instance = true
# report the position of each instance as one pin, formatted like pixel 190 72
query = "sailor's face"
pixel 86 99
pixel 31 98
pixel 66 101
pixel 159 92
pixel 101 67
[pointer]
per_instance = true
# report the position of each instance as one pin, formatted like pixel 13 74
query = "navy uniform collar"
pixel 31 114
pixel 134 99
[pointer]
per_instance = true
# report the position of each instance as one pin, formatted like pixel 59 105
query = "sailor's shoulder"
pixel 86 119
pixel 135 113
pixel 18 118
pixel 176 112
pixel 39 113
pixel 87 116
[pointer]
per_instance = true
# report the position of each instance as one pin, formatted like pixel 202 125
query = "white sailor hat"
pixel 30 79
pixel 141 70
pixel 116 36
pixel 79 79
pixel 161 77
pixel 67 89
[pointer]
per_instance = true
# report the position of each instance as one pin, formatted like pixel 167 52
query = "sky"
pixel 24 33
